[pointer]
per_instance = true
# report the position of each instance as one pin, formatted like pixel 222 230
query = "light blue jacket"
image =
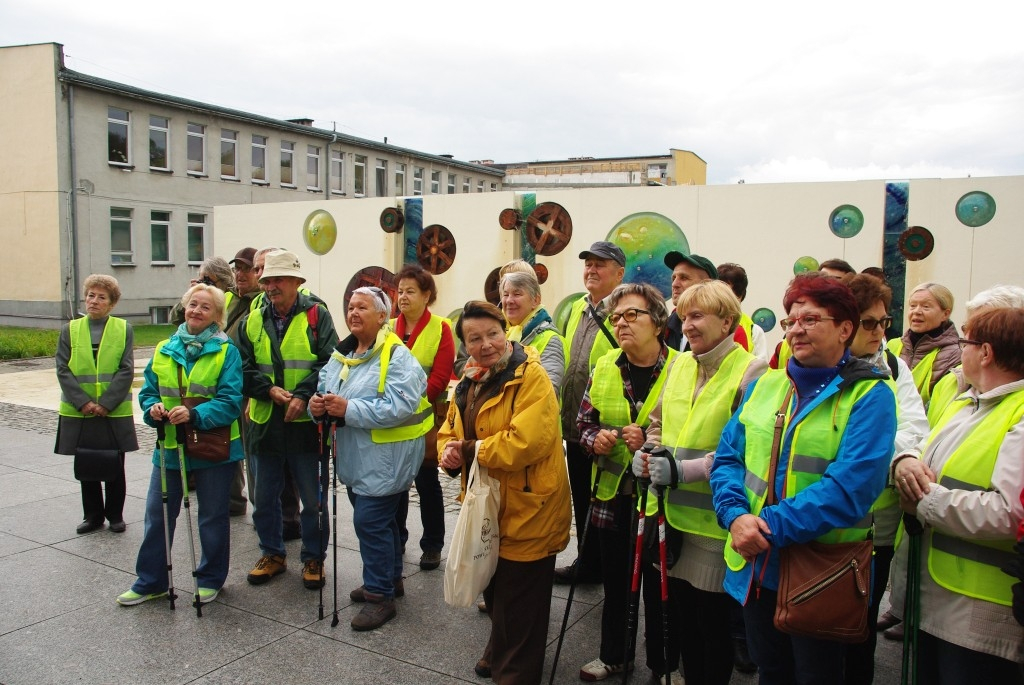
pixel 366 467
pixel 221 410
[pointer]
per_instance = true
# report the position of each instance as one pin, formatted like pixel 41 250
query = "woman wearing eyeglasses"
pixel 965 490
pixel 873 298
pixel 836 442
pixel 929 345
pixel 613 419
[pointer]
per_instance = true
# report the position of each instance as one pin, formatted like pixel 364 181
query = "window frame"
pixel 189 160
pixel 467 184
pixel 191 225
pixel 399 178
pixel 122 257
pixel 380 180
pixel 417 180
pixel 165 224
pixel 259 148
pixel 480 186
pixel 233 142
pixel 435 182
pixel 158 130
pixel 359 176
pixel 126 163
pixel 288 152
pixel 337 172
pixel 313 167
pixel 452 178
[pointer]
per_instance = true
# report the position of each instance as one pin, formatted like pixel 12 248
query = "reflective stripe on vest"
pixel 606 396
pixel 691 427
pixel 972 567
pixel 201 382
pixel 813 444
pixel 427 342
pixel 601 345
pixel 416 425
pixel 95 373
pixel 296 351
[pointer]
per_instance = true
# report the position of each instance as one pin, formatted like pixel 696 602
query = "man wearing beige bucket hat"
pixel 284 343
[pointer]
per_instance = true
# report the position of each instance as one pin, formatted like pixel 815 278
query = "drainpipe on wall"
pixel 334 139
pixel 73 299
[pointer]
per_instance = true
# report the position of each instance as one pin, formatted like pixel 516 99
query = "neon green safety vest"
pixel 94 374
pixel 228 296
pixel 420 423
pixel 943 394
pixel 201 382
pixel 922 372
pixel 541 340
pixel 972 567
pixel 296 352
pixel 690 428
pixel 747 324
pixel 606 395
pixel 785 352
pixel 814 443
pixel 261 299
pixel 427 342
pixel 601 345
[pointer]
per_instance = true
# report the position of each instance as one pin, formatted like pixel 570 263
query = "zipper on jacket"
pixel 828 581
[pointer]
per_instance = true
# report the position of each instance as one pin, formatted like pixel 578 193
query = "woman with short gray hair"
pixel 530 324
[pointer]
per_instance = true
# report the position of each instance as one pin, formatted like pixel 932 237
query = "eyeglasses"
pixel 241 269
pixel 967 341
pixel 629 316
pixel 807 321
pixel 872 324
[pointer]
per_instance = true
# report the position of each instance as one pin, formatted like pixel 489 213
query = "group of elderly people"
pixel 848 439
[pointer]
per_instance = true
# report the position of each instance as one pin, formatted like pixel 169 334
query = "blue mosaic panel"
pixel 529 203
pixel 413 228
pixel 894 264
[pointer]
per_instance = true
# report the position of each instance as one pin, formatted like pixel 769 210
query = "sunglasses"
pixel 872 324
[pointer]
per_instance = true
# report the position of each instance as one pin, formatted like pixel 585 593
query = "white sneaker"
pixel 599 670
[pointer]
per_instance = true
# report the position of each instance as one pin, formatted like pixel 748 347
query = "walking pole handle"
pixel 161 432
pixel 179 433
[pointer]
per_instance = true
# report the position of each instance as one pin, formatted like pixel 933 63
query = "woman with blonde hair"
pixel 929 345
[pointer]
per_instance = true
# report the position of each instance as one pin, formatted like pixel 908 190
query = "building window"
pixel 159 236
pixel 494 187
pixel 399 179
pixel 435 182
pixel 121 251
pixel 159 143
pixel 312 167
pixel 287 159
pixel 359 177
pixel 479 186
pixel 196 238
pixel 259 159
pixel 228 154
pixel 196 149
pixel 417 180
pixel 382 178
pixel 451 184
pixel 118 129
pixel 465 184
pixel 338 172
pixel 160 315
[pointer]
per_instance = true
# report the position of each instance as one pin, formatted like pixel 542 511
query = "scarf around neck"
pixel 479 374
pixel 348 362
pixel 194 343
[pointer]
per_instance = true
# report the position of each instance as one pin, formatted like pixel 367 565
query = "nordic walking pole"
pixel 634 587
pixel 180 433
pixel 320 513
pixel 911 600
pixel 663 559
pixel 161 445
pixel 334 516
pixel 575 575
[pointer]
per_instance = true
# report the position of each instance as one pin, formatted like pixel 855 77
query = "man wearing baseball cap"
pixel 687 270
pixel 588 337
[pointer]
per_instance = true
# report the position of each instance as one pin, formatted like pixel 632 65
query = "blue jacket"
pixel 840 499
pixel 219 411
pixel 368 468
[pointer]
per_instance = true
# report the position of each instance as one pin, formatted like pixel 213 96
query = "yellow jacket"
pixel 520 443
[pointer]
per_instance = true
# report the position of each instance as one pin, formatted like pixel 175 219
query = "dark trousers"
pixel 431 509
pixel 943 663
pixel 784 659
pixel 290 504
pixel 519 597
pixel 580 465
pixel 93 507
pixel 860 657
pixel 699 630
pixel 616 551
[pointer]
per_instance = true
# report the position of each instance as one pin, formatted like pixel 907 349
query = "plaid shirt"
pixel 605 514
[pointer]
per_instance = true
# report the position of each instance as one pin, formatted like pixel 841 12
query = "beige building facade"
pixel 679 167
pixel 101 177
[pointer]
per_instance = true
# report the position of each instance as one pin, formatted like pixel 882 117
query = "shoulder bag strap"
pixel 600 324
pixel 780 424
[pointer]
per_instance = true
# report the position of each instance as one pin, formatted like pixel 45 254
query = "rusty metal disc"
pixel 916 243
pixel 549 228
pixel 509 219
pixel 374 276
pixel 392 220
pixel 542 273
pixel 435 249
pixel 491 293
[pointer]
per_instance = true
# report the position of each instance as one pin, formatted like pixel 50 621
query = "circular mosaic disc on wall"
pixel 376 276
pixel 846 221
pixel 435 249
pixel 509 219
pixel 542 273
pixel 491 293
pixel 805 264
pixel 319 232
pixel 916 243
pixel 975 209
pixel 392 220
pixel 645 238
pixel 549 228
pixel 765 318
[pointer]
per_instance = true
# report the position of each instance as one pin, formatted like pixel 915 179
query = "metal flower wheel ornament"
pixel 435 249
pixel 549 228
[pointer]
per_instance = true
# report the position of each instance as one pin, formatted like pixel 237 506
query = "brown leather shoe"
pixel 376 612
pixel 359 594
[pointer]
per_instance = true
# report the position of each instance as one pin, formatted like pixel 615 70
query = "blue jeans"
pixel 380 544
pixel 213 489
pixel 431 509
pixel 266 516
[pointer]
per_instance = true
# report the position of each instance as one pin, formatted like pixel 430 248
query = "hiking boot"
pixel 430 560
pixel 313 574
pixel 599 670
pixel 131 598
pixel 208 594
pixel 376 612
pixel 267 567
pixel 359 594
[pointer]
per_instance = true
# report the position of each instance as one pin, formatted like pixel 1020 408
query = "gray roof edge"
pixel 97 83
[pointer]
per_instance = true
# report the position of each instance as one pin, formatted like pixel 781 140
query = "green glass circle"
pixel 846 221
pixel 805 264
pixel 765 318
pixel 975 209
pixel 319 232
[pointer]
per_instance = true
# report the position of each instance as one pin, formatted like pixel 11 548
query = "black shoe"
pixel 240 511
pixel 886 621
pixel 292 533
pixel 483 669
pixel 741 657
pixel 563 576
pixel 117 526
pixel 88 526
pixel 430 560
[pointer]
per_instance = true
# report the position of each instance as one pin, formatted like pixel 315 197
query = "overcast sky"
pixel 764 92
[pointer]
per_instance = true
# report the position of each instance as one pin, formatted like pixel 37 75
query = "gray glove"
pixel 663 468
pixel 640 463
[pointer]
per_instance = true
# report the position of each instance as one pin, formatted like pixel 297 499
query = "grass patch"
pixel 22 343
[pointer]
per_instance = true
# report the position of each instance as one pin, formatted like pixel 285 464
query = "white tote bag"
pixel 473 554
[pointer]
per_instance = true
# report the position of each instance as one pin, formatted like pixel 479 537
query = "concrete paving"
pixel 60 623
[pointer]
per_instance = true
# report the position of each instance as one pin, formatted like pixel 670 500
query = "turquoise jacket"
pixel 219 411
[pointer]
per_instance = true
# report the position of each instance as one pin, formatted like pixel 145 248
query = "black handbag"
pixel 99 464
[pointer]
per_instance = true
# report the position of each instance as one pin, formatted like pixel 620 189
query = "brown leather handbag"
pixel 213 444
pixel 824 589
